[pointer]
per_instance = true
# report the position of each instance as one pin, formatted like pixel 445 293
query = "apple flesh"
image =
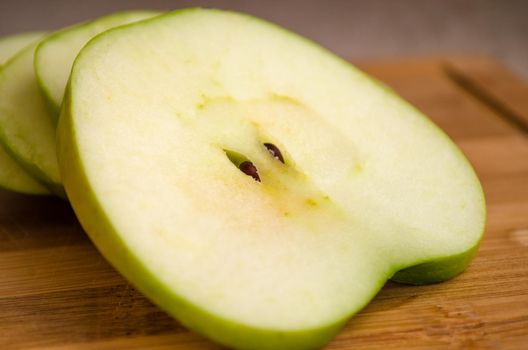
pixel 12 176
pixel 160 116
pixel 55 54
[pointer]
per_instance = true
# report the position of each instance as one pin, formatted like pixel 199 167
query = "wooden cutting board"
pixel 56 291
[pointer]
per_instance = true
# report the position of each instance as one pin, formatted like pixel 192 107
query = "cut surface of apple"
pixel 12 176
pixel 164 149
pixel 55 54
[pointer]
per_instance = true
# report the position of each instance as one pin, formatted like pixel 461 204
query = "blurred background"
pixel 357 30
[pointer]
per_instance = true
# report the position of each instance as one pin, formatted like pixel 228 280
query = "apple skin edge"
pixel 53 187
pixel 435 271
pixel 52 108
pixel 41 188
pixel 50 105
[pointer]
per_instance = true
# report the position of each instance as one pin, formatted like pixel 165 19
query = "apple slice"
pixel 27 131
pixel 55 54
pixel 255 186
pixel 27 127
pixel 12 44
pixel 12 176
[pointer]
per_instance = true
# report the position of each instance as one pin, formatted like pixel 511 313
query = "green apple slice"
pixel 12 44
pixel 55 54
pixel 26 124
pixel 12 175
pixel 168 150
pixel 27 131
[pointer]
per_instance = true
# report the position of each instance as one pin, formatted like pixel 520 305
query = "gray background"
pixel 359 30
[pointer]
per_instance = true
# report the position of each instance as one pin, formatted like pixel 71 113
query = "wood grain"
pixel 495 85
pixel 57 292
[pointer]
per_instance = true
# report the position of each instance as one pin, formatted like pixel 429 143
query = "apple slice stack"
pixel 255 186
pixel 32 84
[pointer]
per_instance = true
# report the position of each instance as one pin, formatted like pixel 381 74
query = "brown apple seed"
pixel 250 169
pixel 274 151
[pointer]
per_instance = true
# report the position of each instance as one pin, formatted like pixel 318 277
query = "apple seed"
pixel 274 151
pixel 250 169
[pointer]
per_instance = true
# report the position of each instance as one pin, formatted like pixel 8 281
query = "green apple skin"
pixel 102 233
pixel 94 218
pixel 437 270
pixel 55 54
pixel 12 176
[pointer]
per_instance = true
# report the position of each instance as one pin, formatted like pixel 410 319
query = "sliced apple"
pixel 28 127
pixel 164 148
pixel 12 175
pixel 12 44
pixel 55 54
pixel 27 131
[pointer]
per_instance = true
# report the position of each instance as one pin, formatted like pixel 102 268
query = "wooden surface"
pixel 56 291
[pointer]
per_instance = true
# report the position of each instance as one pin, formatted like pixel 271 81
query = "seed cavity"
pixel 274 151
pixel 250 169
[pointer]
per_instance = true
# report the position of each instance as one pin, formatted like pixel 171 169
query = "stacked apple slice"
pixel 34 79
pixel 252 184
pixel 12 175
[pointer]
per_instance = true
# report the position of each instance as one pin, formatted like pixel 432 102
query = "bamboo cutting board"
pixel 56 291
